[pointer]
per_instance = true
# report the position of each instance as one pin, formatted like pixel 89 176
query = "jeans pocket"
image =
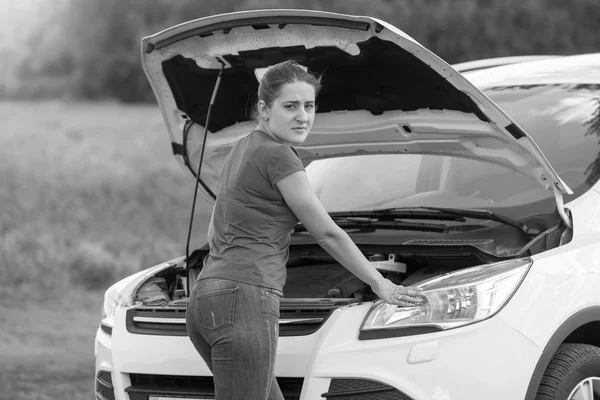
pixel 216 309
pixel 274 295
pixel 273 302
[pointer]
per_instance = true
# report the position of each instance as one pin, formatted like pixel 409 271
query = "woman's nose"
pixel 302 116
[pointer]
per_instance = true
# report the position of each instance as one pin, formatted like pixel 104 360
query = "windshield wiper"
pixel 362 222
pixel 461 212
pixel 399 213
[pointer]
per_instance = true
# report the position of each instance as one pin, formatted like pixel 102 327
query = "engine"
pixel 316 277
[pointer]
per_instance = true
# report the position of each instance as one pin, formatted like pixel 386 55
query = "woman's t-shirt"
pixel 251 225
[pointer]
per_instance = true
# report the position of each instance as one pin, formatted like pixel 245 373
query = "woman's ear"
pixel 263 110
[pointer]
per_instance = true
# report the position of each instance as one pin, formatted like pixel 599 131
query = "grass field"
pixel 47 348
pixel 90 193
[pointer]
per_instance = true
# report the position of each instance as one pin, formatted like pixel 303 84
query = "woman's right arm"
pixel 300 197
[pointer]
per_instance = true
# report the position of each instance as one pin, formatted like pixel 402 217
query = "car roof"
pixel 497 61
pixel 577 69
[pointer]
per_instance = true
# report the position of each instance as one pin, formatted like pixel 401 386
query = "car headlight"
pixel 114 297
pixel 452 300
pixel 122 293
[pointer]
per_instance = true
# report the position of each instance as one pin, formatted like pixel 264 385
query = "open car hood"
pixel 382 92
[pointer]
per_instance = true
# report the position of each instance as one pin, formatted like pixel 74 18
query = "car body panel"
pixel 489 134
pixel 337 353
pixel 342 355
pixel 571 270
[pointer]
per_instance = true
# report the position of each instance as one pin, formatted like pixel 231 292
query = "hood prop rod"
pixel 187 246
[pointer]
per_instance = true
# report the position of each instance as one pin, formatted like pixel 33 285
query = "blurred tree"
pixel 91 48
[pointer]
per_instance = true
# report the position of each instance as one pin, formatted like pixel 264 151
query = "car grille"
pixel 297 317
pixel 104 387
pixel 143 386
pixel 362 389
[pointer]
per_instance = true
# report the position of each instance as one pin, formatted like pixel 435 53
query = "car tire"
pixel 574 366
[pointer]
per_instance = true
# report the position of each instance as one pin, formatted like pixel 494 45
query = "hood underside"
pixel 367 81
pixel 382 91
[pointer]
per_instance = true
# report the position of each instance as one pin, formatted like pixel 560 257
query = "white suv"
pixel 437 179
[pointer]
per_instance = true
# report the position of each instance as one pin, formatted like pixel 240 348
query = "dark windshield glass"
pixel 564 121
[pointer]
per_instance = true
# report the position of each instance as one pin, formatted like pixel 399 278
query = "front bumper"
pixel 485 360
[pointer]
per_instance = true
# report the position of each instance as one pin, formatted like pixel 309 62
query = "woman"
pixel 233 312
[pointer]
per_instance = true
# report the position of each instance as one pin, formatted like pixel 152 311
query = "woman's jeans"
pixel 235 328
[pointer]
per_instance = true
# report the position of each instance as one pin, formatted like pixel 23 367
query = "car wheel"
pixel 573 374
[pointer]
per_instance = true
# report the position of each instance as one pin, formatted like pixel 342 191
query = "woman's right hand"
pixel 399 295
pixel 300 197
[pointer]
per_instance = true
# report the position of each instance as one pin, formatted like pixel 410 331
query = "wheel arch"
pixel 576 329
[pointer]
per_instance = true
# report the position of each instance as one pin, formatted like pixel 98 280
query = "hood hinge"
pixel 560 204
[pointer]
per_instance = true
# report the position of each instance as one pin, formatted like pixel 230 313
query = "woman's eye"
pixel 310 106
pixel 290 107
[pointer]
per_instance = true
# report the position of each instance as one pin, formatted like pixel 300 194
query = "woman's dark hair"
pixel 278 75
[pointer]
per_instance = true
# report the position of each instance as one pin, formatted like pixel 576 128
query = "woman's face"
pixel 291 115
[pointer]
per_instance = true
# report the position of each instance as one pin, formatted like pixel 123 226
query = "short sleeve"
pixel 285 161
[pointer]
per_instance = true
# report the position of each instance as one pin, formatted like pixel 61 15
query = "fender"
pixel 582 317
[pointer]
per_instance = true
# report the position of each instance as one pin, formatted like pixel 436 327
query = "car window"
pixel 564 121
pixel 350 183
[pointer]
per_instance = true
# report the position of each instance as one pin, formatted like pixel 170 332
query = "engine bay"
pixel 315 277
pixel 312 276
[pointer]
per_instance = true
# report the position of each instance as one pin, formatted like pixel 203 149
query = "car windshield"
pixel 564 121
